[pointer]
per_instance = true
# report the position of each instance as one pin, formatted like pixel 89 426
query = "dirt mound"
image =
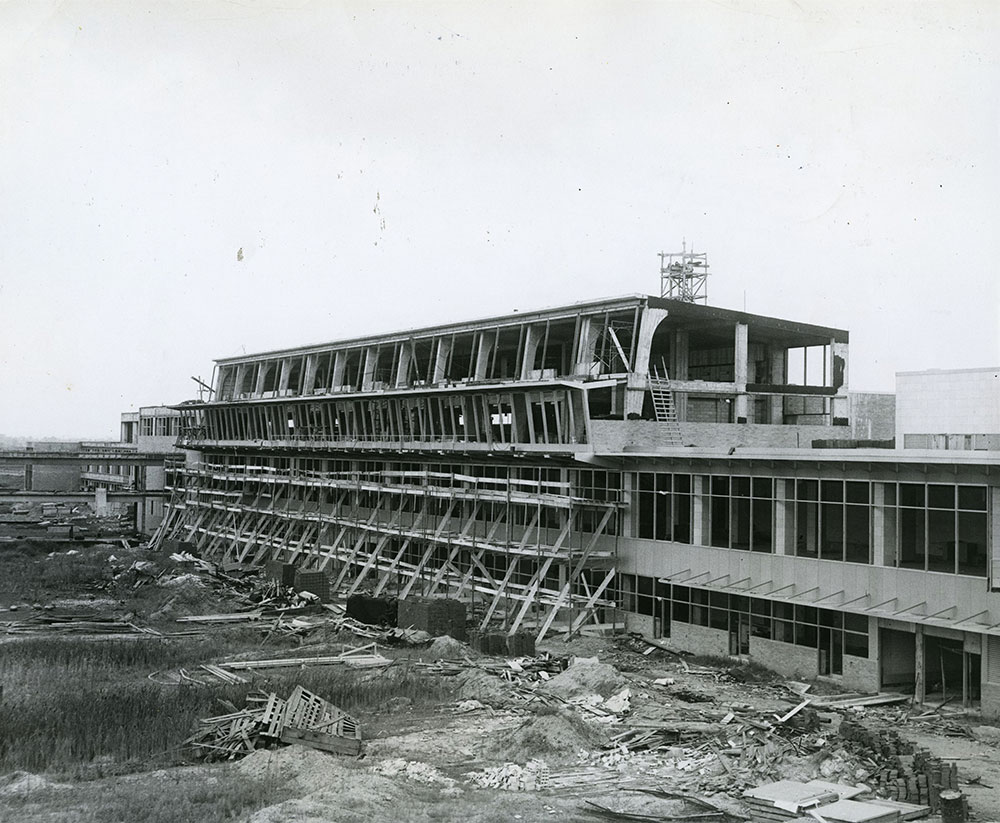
pixel 25 784
pixel 181 596
pixel 561 733
pixel 475 684
pixel 446 648
pixel 586 677
pixel 300 765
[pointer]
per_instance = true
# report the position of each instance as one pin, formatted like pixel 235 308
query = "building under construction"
pixel 683 470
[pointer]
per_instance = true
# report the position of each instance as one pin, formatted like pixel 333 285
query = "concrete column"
pixel 258 389
pixel 784 520
pixel 442 353
pixel 919 691
pixel 679 355
pixel 649 321
pixel 339 367
pixel 237 388
pixel 487 340
pixel 403 366
pixel 29 479
pixel 532 338
pixel 776 357
pixel 700 515
pixel 312 364
pixel 101 502
pixel 584 350
pixel 371 364
pixel 742 411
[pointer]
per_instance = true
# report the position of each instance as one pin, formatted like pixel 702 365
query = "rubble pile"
pixel 533 776
pixel 268 720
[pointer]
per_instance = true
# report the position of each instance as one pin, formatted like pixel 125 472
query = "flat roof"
pixel 677 309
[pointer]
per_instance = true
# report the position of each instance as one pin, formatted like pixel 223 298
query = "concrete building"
pixel 148 432
pixel 686 471
pixel 948 409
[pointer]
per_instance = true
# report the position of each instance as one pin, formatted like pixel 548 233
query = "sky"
pixel 183 181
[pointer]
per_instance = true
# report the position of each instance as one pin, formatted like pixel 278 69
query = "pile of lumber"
pixel 362 657
pixel 268 720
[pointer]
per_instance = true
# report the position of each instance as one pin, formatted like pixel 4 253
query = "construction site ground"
pixel 447 734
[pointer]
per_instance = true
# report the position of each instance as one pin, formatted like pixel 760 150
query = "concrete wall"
pixel 797 662
pixel 961 401
pixel 860 674
pixel 699 639
pixel 54 477
pixel 873 415
pixel 648 435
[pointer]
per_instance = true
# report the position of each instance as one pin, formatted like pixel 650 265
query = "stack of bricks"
pixel 283 573
pixel 373 611
pixel 435 615
pixel 906 773
pixel 316 583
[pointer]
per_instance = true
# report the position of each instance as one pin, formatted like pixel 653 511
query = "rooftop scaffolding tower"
pixel 684 276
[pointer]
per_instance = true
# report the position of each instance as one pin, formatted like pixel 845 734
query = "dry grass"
pixel 84 708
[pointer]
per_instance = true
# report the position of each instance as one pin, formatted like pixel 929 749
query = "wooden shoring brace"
pixel 575 573
pixel 391 568
pixel 277 542
pixel 474 561
pixel 417 569
pixel 262 539
pixel 589 605
pixel 529 596
pixel 227 526
pixel 457 547
pixel 373 558
pixel 386 575
pixel 242 522
pixel 193 527
pixel 325 557
pixel 475 555
pixel 365 531
pixel 501 592
pixel 307 533
pixel 331 551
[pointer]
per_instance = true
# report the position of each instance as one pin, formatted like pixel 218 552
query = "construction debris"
pixel 363 657
pixel 533 776
pixel 268 720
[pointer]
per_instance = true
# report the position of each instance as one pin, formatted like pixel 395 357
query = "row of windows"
pixel 796 624
pixel 160 426
pixel 936 527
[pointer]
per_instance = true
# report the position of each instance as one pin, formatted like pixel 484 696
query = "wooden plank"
pixel 320 740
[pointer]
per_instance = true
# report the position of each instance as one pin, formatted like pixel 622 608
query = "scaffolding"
pixel 684 276
pixel 522 553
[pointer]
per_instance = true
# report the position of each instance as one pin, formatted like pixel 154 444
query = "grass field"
pixel 82 707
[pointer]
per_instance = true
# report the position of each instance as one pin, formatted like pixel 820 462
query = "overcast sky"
pixel 391 165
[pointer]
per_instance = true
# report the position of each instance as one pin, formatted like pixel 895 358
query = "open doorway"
pixel 897 661
pixel 951 674
pixel 739 634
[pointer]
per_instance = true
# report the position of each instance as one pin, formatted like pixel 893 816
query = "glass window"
pixel 972 531
pixel 941 497
pixel 972 498
pixel 857 492
pixel 911 494
pixel 832 491
pixel 940 540
pixel 912 549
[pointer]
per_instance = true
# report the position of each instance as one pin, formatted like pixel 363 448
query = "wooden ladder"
pixel 663 406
